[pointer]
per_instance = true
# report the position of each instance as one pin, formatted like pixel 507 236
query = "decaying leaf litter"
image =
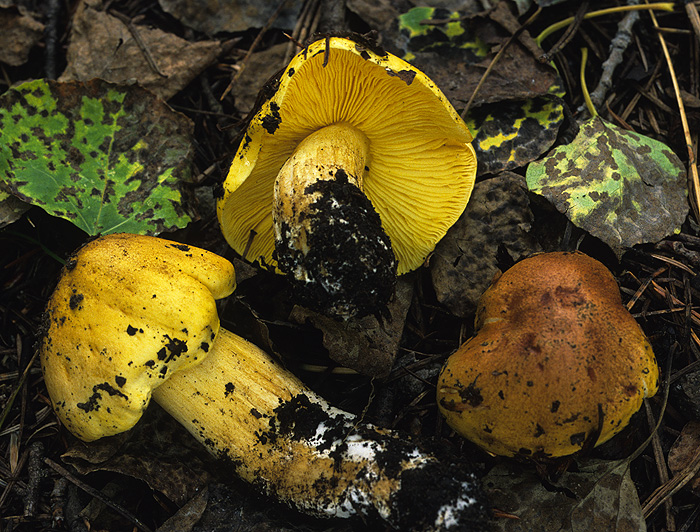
pixel 523 109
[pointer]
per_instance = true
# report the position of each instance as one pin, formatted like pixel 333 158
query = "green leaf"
pixel 621 187
pixel 107 158
pixel 444 36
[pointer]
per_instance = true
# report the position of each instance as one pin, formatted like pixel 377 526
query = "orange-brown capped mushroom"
pixel 555 349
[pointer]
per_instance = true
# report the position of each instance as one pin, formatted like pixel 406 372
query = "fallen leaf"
pixel 510 134
pixel 621 187
pixel 365 345
pixel 101 46
pixel 600 496
pixel 106 158
pixel 683 450
pixel 465 260
pixel 11 208
pixel 147 453
pixel 456 54
pixel 20 33
pixel 215 16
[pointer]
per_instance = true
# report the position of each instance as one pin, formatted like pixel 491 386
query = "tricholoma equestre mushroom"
pixel 135 316
pixel 351 171
pixel 556 360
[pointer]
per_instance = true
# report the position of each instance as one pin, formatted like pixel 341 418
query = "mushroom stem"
pixel 290 442
pixel 328 236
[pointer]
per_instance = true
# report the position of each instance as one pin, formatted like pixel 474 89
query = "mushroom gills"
pixel 329 238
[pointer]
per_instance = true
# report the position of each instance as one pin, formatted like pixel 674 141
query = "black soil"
pixel 350 264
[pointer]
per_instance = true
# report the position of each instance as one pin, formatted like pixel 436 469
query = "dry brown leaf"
pixel 101 46
pixel 18 35
pixel 365 345
pixel 683 450
pixel 215 16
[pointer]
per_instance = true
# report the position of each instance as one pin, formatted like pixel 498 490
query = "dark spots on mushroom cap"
pixel 555 406
pixel 471 394
pixel 204 346
pixel 121 381
pixel 539 431
pixel 255 413
pixel 131 331
pixel 75 300
pixel 181 247
pixel 173 348
pixel 92 404
pixel 290 72
pixel 631 390
pixel 271 121
pixel 351 267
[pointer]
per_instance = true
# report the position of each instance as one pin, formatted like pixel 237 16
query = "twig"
pixel 253 47
pixel 36 473
pixel 306 25
pixel 96 494
pixel 139 41
pixel 53 8
pixel 618 45
pixel 661 466
pixel 568 34
pixel 661 6
pixel 692 161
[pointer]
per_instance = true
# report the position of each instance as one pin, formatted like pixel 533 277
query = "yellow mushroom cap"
pixel 420 169
pixel 154 302
pixel 554 349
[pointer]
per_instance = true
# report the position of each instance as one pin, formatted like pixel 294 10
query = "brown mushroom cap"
pixel 554 349
pixel 128 311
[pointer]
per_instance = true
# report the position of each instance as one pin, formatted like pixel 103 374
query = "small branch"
pixel 618 45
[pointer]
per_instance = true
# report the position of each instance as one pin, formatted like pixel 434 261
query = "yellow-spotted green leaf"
pixel 107 158
pixel 511 128
pixel 508 135
pixel 444 36
pixel 621 187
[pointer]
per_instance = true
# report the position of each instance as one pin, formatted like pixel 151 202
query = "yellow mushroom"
pixel 135 316
pixel 556 360
pixel 352 170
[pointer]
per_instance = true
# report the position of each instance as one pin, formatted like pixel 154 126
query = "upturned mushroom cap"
pixel 153 302
pixel 555 349
pixel 420 168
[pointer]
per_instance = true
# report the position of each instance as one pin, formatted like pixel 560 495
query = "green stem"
pixel 659 6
